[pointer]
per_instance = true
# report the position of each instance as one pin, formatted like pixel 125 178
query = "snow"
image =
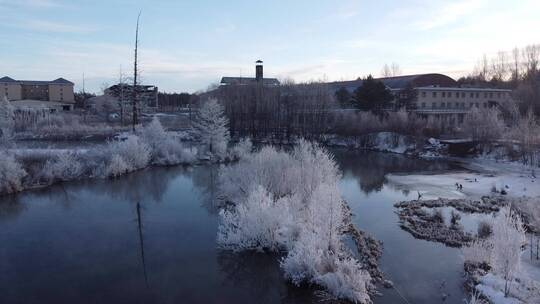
pixel 492 287
pixel 392 142
pixel 516 179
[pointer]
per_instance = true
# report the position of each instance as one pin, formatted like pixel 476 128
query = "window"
pixel 423 104
pixel 449 94
pixel 457 104
pixel 424 94
pixel 434 94
pixel 433 105
pixel 443 105
pixel 472 95
pixel 462 94
pixel 443 94
pixel 477 95
pixel 477 105
pixel 463 105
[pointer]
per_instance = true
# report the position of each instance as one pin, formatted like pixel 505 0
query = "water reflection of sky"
pixel 81 242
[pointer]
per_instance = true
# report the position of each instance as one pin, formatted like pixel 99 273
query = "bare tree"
pixel 135 74
pixel 516 68
pixel 531 58
pixel 499 66
pixel 391 70
pixel 121 83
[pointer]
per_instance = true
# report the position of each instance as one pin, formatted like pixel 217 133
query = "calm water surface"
pixel 150 237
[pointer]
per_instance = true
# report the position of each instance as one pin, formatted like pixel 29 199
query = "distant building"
pixel 56 94
pixel 399 83
pixel 436 95
pixel 259 78
pixel 452 104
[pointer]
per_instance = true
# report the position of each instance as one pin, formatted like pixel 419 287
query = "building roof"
pixel 400 82
pixel 7 79
pixel 36 82
pixel 62 81
pixel 467 89
pixel 247 80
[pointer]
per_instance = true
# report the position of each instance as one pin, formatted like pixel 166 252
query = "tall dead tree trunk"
pixel 135 72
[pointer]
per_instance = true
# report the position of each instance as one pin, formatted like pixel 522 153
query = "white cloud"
pixel 56 27
pixel 31 3
pixel 449 13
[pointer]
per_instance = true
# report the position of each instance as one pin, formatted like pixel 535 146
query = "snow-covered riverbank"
pixel 481 178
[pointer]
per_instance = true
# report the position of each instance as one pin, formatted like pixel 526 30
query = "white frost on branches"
pixel 64 167
pixel 165 148
pixel 291 202
pixel 502 249
pixel 7 121
pixel 210 127
pixel 11 174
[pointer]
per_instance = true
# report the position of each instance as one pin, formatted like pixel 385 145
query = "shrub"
pixel 165 148
pixel 116 167
pixel 64 167
pixel 11 174
pixel 134 152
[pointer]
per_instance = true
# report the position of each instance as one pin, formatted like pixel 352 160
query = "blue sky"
pixel 187 45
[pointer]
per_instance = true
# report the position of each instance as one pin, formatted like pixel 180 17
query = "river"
pixel 150 237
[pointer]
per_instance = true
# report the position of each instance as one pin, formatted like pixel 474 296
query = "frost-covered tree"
pixel 11 174
pixel 278 201
pixel 116 166
pixel 64 167
pixel 484 125
pixel 134 152
pixel 210 127
pixel 502 249
pixel 165 148
pixel 508 239
pixel 7 119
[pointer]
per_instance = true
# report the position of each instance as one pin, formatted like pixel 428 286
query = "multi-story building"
pixel 451 104
pixel 57 94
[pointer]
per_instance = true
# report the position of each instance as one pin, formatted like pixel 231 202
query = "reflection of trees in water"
pixel 10 207
pixel 205 179
pixel 146 185
pixel 260 277
pixel 371 168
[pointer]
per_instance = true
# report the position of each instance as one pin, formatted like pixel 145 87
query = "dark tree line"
pixel 176 101
pixel 277 112
pixel 372 96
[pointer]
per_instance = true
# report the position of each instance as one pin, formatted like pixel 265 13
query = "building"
pixel 435 95
pixel 399 83
pixel 452 103
pixel 259 78
pixel 56 95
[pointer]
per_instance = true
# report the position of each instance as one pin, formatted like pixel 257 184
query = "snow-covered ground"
pixel 515 179
pixel 478 179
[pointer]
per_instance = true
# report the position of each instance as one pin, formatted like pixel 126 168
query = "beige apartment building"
pixel 56 95
pixel 452 103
